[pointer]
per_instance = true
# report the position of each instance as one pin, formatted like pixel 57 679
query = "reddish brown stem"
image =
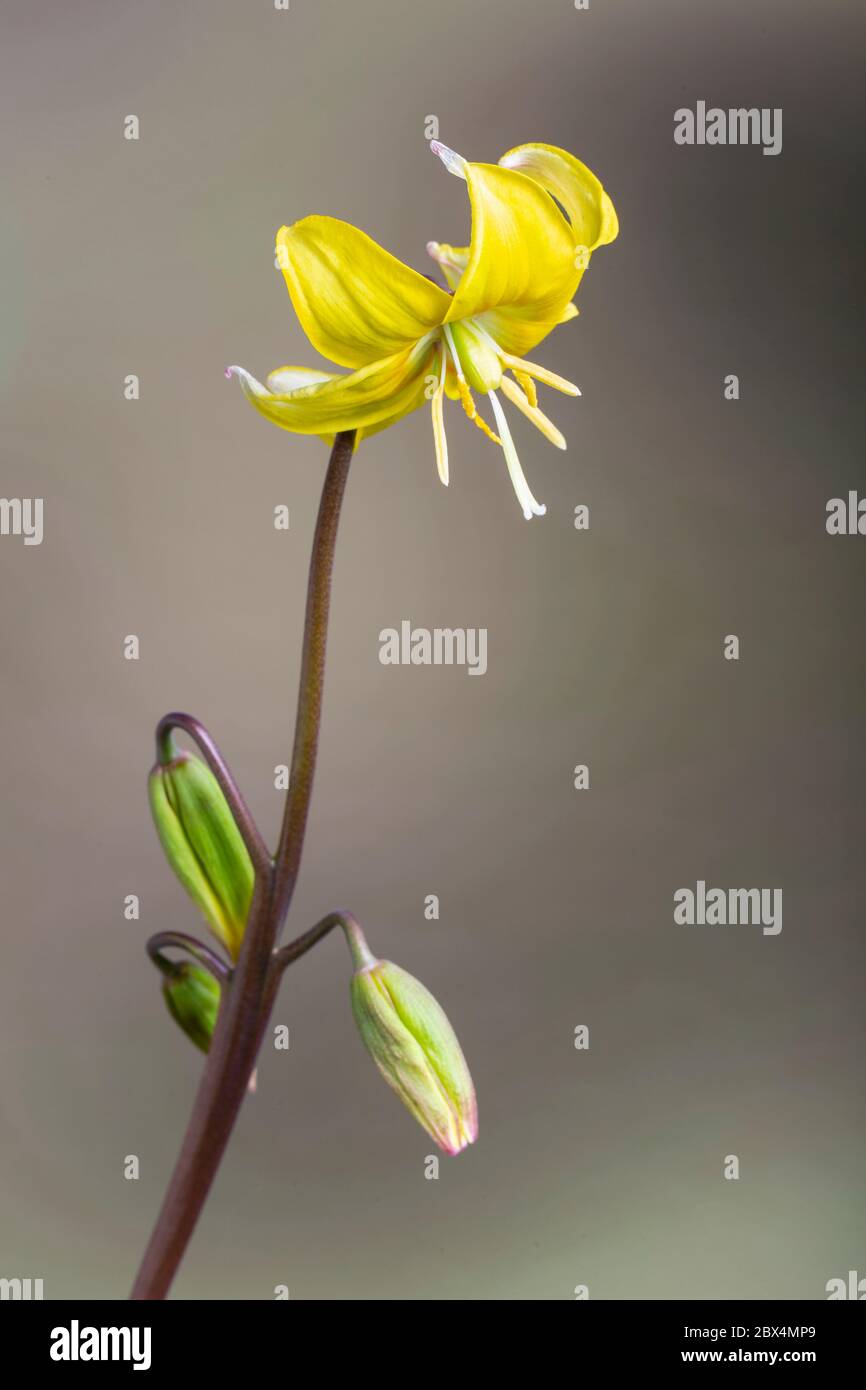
pixel 248 997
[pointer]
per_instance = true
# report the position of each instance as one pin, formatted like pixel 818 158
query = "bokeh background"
pixel 603 1167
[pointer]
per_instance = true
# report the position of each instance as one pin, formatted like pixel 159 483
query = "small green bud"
pixel 203 844
pixel 414 1046
pixel 193 998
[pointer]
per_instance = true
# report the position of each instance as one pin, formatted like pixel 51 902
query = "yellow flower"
pixel 537 216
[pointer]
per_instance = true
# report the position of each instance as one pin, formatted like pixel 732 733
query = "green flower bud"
pixel 414 1046
pixel 193 999
pixel 203 844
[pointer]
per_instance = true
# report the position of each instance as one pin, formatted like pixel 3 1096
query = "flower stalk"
pixel 248 996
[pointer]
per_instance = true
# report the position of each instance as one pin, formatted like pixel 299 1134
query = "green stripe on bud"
pixel 414 1046
pixel 203 844
pixel 193 998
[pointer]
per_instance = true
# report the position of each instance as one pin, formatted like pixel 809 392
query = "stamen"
pixel 468 404
pixel 454 163
pixel 518 365
pixel 528 386
pixel 439 424
pixel 559 383
pixel 466 399
pixel 449 338
pixel 538 418
pixel 518 481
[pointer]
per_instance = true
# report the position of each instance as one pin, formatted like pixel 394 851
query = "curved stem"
pixel 312 681
pixel 178 940
pixel 287 955
pixel 223 1085
pixel 248 996
pixel 165 751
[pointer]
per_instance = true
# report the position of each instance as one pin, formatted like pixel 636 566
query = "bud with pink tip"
pixel 414 1046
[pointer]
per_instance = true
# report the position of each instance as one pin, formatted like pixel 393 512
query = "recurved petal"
pixel 519 332
pixel 522 252
pixel 364 431
pixel 590 211
pixel 356 302
pixel 383 390
pixel 516 331
pixel 451 260
pixel 283 380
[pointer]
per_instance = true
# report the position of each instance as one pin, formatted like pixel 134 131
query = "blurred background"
pixel 601 1167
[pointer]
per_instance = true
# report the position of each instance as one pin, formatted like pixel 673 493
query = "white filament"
pixel 449 337
pixel 515 472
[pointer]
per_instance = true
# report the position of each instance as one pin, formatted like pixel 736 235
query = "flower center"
pixel 477 343
pixel 481 363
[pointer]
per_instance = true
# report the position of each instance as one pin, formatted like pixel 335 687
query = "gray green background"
pixel 707 518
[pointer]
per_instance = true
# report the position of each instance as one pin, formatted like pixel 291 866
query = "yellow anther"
pixel 525 380
pixel 469 406
pixel 485 428
pixel 466 397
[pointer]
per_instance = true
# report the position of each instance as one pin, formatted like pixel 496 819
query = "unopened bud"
pixel 203 844
pixel 414 1046
pixel 193 998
